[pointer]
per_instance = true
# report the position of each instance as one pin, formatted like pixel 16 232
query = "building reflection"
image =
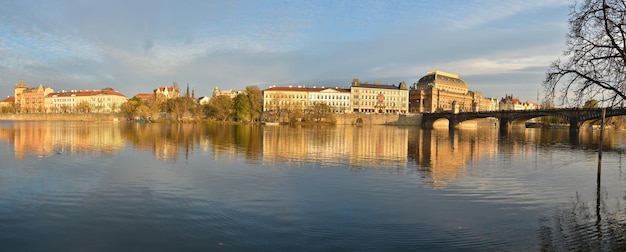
pixel 169 142
pixel 44 139
pixel 361 147
pixel 444 156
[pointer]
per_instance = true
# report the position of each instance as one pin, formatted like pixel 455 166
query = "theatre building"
pixel 439 91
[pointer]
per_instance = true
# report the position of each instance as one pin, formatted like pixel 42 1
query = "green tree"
pixel 241 107
pixel 220 108
pixel 593 103
pixel 596 51
pixel 255 98
pixel 181 108
pixel 128 108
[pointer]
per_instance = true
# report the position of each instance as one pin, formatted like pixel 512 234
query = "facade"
pixel 203 100
pixel 302 98
pixel 30 100
pixel 285 98
pixel 165 93
pixel 231 93
pixel 513 103
pixel 378 98
pixel 337 98
pixel 85 101
pixel 439 91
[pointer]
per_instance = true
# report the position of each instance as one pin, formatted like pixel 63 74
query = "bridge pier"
pixel 574 127
pixel 505 124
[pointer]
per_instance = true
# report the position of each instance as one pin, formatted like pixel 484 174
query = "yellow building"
pixel 85 101
pixel 276 99
pixel 439 91
pixel 302 98
pixel 379 98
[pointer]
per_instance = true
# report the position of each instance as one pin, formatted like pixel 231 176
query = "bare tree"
pixel 595 67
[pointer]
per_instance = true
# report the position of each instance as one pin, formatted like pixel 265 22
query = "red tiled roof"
pixel 164 88
pixel 144 95
pixel 304 89
pixel 9 99
pixel 86 93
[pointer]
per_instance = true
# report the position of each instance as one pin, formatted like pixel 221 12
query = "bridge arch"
pixel 575 117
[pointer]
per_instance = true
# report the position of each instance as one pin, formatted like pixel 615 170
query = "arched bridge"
pixel 577 118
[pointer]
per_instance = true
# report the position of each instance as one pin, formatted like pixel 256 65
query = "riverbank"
pixel 62 117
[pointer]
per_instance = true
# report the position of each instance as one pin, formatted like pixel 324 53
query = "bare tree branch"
pixel 595 66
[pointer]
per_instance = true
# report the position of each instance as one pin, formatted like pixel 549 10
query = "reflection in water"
pixel 43 139
pixel 503 184
pixel 579 229
pixel 443 155
pixel 371 147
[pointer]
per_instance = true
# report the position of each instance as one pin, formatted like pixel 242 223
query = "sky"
pixel 499 47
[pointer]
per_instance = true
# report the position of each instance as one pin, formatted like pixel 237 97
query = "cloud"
pixel 137 45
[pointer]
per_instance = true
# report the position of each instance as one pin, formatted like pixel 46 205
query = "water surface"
pixel 78 186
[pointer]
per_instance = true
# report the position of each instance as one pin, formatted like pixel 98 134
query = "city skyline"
pixel 497 48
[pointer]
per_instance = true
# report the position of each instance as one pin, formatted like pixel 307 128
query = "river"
pixel 80 186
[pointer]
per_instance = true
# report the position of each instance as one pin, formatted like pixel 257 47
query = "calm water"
pixel 71 186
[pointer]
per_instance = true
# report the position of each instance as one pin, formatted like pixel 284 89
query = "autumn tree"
pixel 595 63
pixel 83 107
pixel 219 107
pixel 181 107
pixel 255 98
pixel 136 107
pixel 241 107
pixel 322 112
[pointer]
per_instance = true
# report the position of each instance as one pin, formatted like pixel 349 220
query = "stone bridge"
pixel 577 118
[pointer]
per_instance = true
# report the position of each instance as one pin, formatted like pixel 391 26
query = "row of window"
pixel 329 97
pixel 386 104
pixel 367 91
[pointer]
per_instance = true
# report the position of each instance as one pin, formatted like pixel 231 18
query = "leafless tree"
pixel 595 64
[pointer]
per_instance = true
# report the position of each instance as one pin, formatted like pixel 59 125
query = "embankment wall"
pixel 60 117
pixel 379 119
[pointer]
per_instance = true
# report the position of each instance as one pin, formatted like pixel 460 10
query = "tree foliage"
pixel 595 66
pixel 245 107
pixel 255 98
pixel 593 103
pixel 241 107
pixel 220 107
pixel 322 112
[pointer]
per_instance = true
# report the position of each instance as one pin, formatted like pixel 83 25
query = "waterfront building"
pixel 303 99
pixel 7 102
pixel 85 101
pixel 337 98
pixel 277 99
pixel 204 100
pixel 513 103
pixel 439 91
pixel 379 98
pixel 162 94
pixel 30 100
pixel 230 93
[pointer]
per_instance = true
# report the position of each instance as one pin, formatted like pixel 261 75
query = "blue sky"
pixel 498 47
